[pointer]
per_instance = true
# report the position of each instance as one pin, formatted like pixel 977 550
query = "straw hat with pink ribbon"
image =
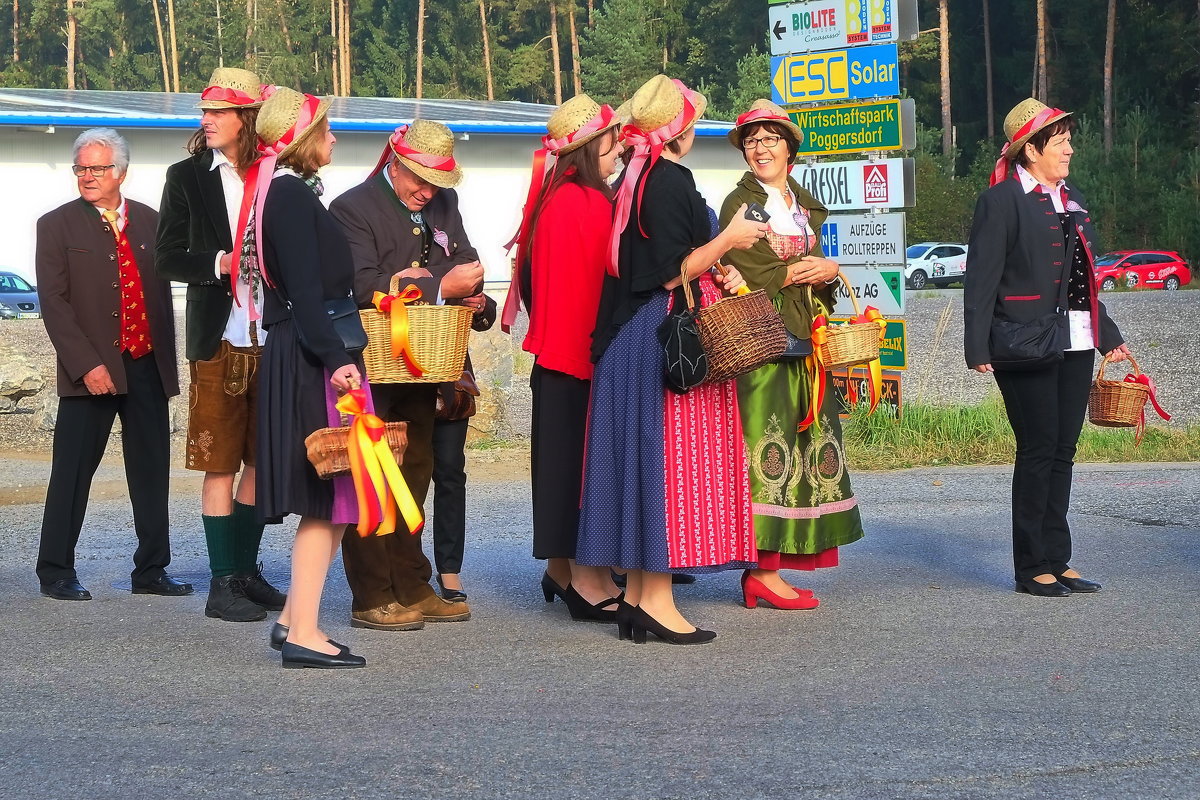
pixel 572 125
pixel 1022 124
pixel 230 87
pixel 660 111
pixel 763 111
pixel 427 149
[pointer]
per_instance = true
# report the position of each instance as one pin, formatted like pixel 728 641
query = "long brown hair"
pixel 247 140
pixel 580 166
pixel 305 155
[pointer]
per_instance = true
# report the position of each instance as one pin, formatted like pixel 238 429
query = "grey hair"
pixel 104 137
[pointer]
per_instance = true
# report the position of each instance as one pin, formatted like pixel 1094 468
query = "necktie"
pixel 135 327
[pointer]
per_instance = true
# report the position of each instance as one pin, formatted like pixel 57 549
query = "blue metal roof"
pixel 167 110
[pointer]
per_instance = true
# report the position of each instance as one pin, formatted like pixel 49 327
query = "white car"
pixel 937 263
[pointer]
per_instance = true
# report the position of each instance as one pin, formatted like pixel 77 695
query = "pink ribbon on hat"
pixel 397 144
pixel 1003 165
pixel 605 118
pixel 224 94
pixel 647 148
pixel 308 110
pixel 759 115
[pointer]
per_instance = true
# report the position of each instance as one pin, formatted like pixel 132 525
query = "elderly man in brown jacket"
pixel 109 318
pixel 404 220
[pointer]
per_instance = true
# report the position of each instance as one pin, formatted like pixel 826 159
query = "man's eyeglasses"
pixel 769 142
pixel 97 171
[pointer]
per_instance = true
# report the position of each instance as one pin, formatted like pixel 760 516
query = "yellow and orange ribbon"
pixel 820 335
pixel 874 368
pixel 396 308
pixel 378 483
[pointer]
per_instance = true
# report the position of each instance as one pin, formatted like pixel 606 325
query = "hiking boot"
pixel 227 600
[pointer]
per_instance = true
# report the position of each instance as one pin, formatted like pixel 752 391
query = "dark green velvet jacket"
pixel 763 269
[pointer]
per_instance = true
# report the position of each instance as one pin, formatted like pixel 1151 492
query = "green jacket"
pixel 762 269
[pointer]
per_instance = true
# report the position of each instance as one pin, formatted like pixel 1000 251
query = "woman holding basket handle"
pixel 1033 319
pixel 306 262
pixel 804 508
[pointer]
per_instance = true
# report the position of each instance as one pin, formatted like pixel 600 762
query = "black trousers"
pixel 80 436
pixel 1045 408
pixel 449 495
pixel 393 568
pixel 558 437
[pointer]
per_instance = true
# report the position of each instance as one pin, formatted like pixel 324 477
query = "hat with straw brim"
pixel 659 101
pixel 575 115
pixel 761 111
pixel 434 139
pixel 281 114
pixel 1017 127
pixel 230 87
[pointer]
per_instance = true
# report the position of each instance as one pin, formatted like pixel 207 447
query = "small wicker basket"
pixel 739 333
pixel 1116 404
pixel 852 343
pixel 437 334
pixel 328 448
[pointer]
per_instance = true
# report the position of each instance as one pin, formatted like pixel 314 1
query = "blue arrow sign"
pixel 849 74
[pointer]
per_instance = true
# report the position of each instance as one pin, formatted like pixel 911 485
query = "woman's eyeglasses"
pixel 97 170
pixel 769 142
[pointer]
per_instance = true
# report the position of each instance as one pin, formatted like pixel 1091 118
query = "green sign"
pixel 893 350
pixel 856 127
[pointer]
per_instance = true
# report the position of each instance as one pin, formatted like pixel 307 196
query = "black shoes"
pixel 163 585
pixel 297 657
pixel 583 611
pixel 1030 586
pixel 641 623
pixel 451 595
pixel 66 589
pixel 624 620
pixel 259 592
pixel 1079 584
pixel 550 589
pixel 227 600
pixel 279 634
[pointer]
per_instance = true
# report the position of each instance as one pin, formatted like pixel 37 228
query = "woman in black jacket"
pixel 1033 319
pixel 305 262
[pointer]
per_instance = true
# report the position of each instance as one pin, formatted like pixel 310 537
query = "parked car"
pixel 18 300
pixel 936 263
pixel 1142 269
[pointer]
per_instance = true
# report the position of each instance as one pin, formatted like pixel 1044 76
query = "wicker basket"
pixel 852 343
pixel 328 448
pixel 1116 404
pixel 739 333
pixel 437 335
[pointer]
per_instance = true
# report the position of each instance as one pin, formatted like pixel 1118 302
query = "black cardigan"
pixel 1015 260
pixel 308 258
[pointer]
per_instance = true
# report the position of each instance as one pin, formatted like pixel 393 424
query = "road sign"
pixel 893 350
pixel 857 127
pixel 864 239
pixel 801 27
pixel 879 287
pixel 857 73
pixel 849 185
pixel 889 394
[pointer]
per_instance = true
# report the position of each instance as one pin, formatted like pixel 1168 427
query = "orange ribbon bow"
pixel 378 484
pixel 396 307
pixel 873 368
pixel 816 368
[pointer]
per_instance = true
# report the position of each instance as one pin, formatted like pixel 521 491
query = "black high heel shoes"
pixel 451 595
pixel 642 622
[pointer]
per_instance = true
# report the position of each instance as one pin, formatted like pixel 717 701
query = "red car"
pixel 1142 269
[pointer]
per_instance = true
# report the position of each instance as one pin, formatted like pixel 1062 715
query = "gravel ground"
pixel 1156 324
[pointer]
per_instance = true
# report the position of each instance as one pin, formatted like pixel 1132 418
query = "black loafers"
pixel 297 657
pixel 163 585
pixel 66 589
pixel 1030 586
pixel 1079 584
pixel 279 634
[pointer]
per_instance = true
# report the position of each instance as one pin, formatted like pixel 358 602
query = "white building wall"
pixel 35 173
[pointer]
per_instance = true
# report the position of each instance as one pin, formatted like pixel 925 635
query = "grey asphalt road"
pixel 922 674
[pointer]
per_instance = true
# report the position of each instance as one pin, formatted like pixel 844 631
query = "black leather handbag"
pixel 685 364
pixel 1021 346
pixel 343 313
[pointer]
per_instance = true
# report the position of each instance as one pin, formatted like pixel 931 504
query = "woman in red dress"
pixel 561 253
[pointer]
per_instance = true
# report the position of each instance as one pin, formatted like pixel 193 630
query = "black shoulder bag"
pixel 1039 343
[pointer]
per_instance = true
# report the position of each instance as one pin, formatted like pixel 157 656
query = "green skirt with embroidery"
pixel 803 502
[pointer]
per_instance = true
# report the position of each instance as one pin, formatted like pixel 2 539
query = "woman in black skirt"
pixel 305 260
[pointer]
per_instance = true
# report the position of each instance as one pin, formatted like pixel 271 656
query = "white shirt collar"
pixel 219 160
pixel 1029 183
pixel 120 209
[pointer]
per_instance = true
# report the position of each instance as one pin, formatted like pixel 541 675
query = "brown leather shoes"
pixel 391 617
pixel 435 609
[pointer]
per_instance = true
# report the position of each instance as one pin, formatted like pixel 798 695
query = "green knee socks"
pixel 248 533
pixel 222 545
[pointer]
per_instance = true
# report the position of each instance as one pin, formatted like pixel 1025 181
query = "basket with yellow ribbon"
pixel 739 333
pixel 410 341
pixel 371 451
pixel 849 345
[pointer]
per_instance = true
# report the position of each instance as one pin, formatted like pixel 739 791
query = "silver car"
pixel 18 300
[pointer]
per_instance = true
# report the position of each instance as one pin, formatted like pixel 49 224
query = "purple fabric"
pixel 345 501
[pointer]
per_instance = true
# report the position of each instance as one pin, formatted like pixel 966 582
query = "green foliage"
pixel 618 55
